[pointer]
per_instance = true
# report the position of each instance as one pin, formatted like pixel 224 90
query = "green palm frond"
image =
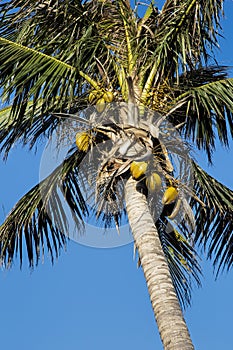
pixel 28 130
pixel 40 217
pixel 185 31
pixel 28 75
pixel 189 28
pixel 214 222
pixel 44 61
pixel 206 107
pixel 182 260
pixel 36 85
pixel 213 105
pixel 34 126
pixel 63 29
pixel 43 214
pixel 40 70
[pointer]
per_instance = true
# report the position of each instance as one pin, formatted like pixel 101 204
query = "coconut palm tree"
pixel 158 92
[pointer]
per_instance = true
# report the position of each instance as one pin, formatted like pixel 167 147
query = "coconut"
pixel 108 96
pixel 138 169
pixel 100 105
pixel 95 95
pixel 170 195
pixel 83 141
pixel 153 182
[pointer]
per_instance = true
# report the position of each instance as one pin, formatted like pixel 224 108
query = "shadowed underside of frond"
pixel 182 260
pixel 40 219
pixel 203 103
pixel 214 222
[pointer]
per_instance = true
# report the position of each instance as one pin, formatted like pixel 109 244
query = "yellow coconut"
pixel 153 182
pixel 108 96
pixel 83 141
pixel 100 105
pixel 95 95
pixel 170 195
pixel 91 97
pixel 138 169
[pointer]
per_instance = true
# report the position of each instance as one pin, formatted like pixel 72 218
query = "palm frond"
pixel 182 260
pixel 56 29
pixel 29 75
pixel 185 32
pixel 40 217
pixel 206 107
pixel 53 40
pixel 36 85
pixel 45 71
pixel 214 222
pixel 32 127
pixel 190 27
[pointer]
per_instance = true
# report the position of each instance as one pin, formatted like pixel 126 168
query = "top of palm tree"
pixel 169 53
pixel 57 57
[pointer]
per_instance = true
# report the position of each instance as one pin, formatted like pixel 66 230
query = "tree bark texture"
pixel 167 311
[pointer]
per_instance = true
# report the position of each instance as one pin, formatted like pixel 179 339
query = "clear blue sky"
pixel 97 298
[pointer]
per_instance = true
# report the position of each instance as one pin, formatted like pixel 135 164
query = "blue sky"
pixel 97 298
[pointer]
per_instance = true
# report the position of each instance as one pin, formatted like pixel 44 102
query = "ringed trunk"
pixel 167 311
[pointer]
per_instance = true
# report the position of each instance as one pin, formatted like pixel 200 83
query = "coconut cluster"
pixel 153 181
pixel 100 98
pixel 129 144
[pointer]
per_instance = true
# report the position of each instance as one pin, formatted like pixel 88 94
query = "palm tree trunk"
pixel 172 327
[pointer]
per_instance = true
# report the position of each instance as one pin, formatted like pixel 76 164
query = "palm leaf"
pixel 63 29
pixel 28 130
pixel 189 29
pixel 36 93
pixel 185 31
pixel 182 260
pixel 24 71
pixel 214 222
pixel 205 104
pixel 32 127
pixel 40 70
pixel 40 216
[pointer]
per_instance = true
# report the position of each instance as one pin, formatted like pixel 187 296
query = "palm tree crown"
pixel 140 66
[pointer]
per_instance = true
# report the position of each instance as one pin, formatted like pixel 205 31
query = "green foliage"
pixel 204 104
pixel 214 222
pixel 39 217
